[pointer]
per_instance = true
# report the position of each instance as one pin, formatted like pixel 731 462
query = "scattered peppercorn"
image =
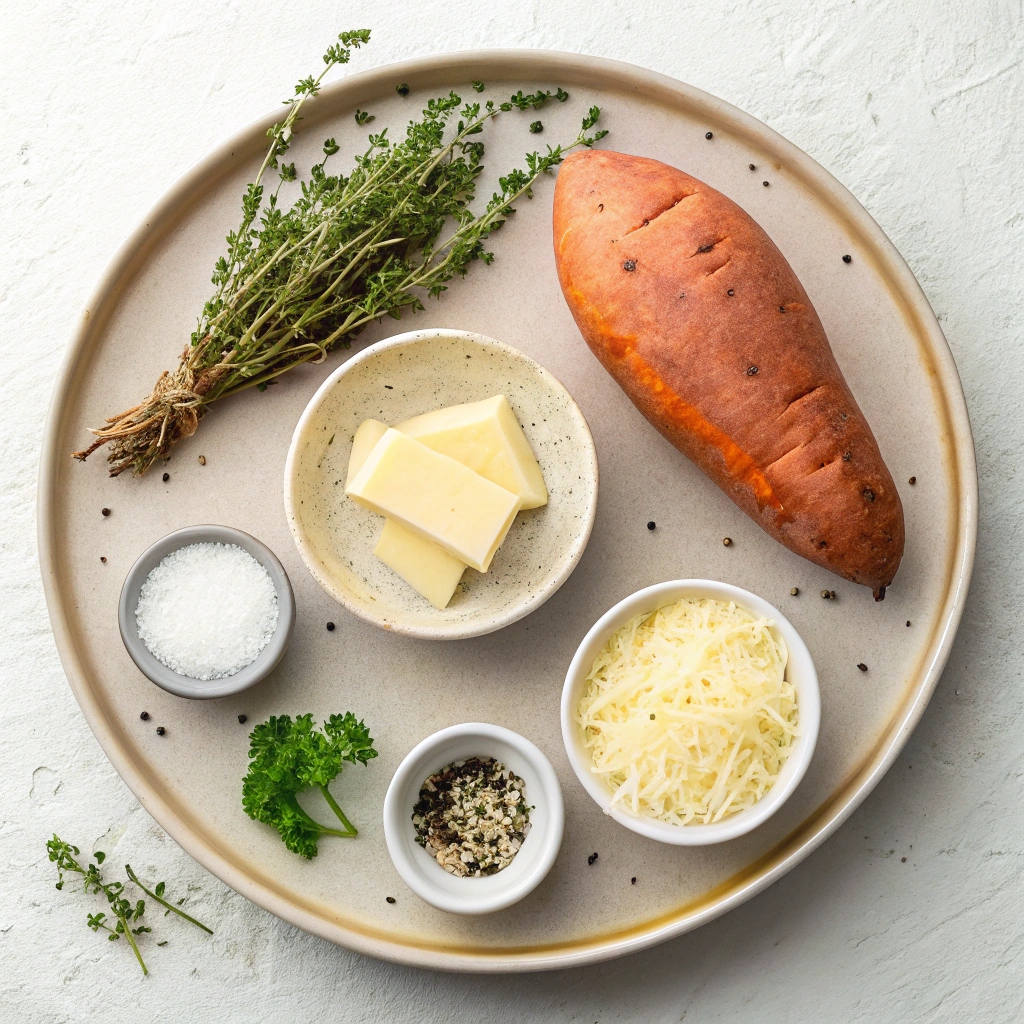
pixel 330 627
pixel 402 90
pixel 765 183
pixel 105 511
pixel 592 858
pixel 794 591
pixel 753 167
pixel 731 292
pixel 390 899
pixel 103 558
pixel 709 135
pixel 782 309
pixel 827 594
pixel 160 730
pixel 912 481
pixel 751 371
pixel 651 525
pixel 629 265
pixel 536 127
pixel 862 666
pixel 727 541
pixel 847 258
pixel 908 622
pixel 242 719
pixel 652 717
pixel 632 881
pixel 202 460
pixel 166 477
pixel 144 716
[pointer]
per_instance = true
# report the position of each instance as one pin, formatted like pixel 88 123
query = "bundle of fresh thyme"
pixel 298 282
pixel 124 912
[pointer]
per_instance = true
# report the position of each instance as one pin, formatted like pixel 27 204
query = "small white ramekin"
pixel 421 872
pixel 799 671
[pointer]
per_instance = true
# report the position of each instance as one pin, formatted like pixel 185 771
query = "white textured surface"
pixel 918 107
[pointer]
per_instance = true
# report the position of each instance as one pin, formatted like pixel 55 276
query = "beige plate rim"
pixel 570 69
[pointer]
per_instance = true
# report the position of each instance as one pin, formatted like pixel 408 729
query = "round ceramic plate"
pixel 894 357
pixel 403 377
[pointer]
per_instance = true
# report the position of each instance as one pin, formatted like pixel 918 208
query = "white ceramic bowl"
pixel 403 377
pixel 799 671
pixel 421 872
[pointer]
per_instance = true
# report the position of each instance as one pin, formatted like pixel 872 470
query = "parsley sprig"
pixel 123 913
pixel 299 281
pixel 288 756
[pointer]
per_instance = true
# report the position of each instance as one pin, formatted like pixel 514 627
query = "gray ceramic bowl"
pixel 185 686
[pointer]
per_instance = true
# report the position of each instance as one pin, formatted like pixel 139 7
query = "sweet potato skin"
pixel 695 312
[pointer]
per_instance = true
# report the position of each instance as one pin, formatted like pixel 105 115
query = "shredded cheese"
pixel 687 712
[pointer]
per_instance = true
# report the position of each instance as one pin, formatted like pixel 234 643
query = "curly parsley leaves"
pixel 288 756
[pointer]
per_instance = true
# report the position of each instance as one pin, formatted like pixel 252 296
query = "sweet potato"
pixel 695 312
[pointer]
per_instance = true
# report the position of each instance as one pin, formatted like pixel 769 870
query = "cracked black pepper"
pixel 472 817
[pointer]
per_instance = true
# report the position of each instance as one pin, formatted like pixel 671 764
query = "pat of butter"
pixel 486 437
pixel 436 497
pixel 425 566
pixel 430 570
pixel 367 436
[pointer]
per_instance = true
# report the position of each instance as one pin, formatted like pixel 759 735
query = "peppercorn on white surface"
pixel 916 107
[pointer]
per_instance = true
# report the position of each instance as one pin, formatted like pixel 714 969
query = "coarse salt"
pixel 207 610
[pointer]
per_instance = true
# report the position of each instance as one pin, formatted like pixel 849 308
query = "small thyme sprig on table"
pixel 125 914
pixel 158 895
pixel 299 282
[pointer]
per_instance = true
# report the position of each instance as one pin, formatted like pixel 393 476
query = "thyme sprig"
pixel 124 914
pixel 297 282
pixel 158 895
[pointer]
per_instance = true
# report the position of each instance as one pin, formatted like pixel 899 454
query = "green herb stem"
pixel 176 910
pixel 325 829
pixel 352 830
pixel 135 948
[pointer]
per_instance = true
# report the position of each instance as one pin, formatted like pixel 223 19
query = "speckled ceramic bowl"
pixel 403 377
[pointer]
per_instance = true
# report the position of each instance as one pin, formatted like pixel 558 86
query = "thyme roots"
pixel 141 435
pixel 298 282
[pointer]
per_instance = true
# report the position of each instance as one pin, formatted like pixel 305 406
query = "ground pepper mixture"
pixel 472 817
